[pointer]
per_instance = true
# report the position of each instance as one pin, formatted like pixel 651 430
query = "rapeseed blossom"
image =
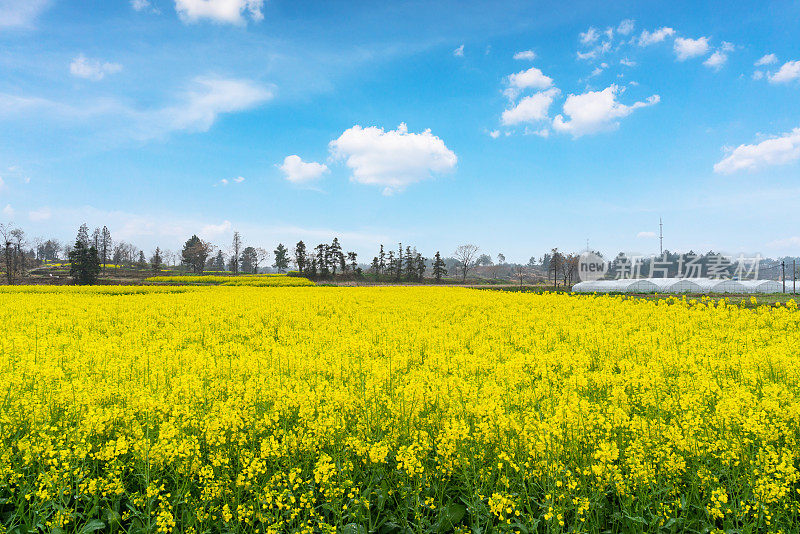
pixel 306 409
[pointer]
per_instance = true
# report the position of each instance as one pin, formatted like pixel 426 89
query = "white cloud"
pixel 92 69
pixel 393 159
pixel 596 111
pixel 494 134
pixel 42 214
pixel 298 171
pixel 768 59
pixel 140 5
pixel 647 38
pixel 775 151
pixel 228 11
pixel 716 60
pixel 226 181
pixel 214 97
pixel 686 48
pixel 789 71
pixel 589 36
pixel 646 235
pixel 531 108
pixel 757 75
pixel 528 55
pixel 20 13
pixel 627 62
pixel 211 231
pixel 459 52
pixel 625 27
pixel 195 110
pixel 8 211
pixel 532 78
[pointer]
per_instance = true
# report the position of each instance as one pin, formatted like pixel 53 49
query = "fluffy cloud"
pixel 299 172
pixel 686 48
pixel 494 134
pixel 528 55
pixel 788 72
pixel 532 78
pixel 768 59
pixel 776 151
pixel 92 69
pixel 393 159
pixel 646 235
pixel 20 14
pixel 225 11
pixel 647 38
pixel 530 109
pixel 42 214
pixel 459 52
pixel 716 60
pixel 213 97
pixel 625 27
pixel 596 111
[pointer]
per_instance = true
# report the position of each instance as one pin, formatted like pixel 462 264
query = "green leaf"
pixel 450 516
pixel 93 525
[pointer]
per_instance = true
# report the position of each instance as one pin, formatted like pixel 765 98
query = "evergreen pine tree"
pixel 84 263
pixel 381 261
pixel 300 257
pixel 438 267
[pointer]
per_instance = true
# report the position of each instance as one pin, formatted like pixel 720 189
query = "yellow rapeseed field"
pixel 394 410
pixel 263 280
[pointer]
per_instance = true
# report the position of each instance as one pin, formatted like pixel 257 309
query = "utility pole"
pixel 660 237
pixel 783 274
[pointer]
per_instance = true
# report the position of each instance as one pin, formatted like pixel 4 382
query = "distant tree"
pixel 465 256
pixel 532 262
pixel 334 256
pixel 419 263
pixel 8 251
pixel 410 264
pixel 555 265
pixel 141 261
pixel 438 267
pixel 194 254
pixel 300 258
pixel 217 262
pixel 519 272
pixel 390 264
pixel 281 258
pixel 381 261
pixel 484 259
pixel 105 246
pixel 83 235
pixel 501 259
pixel 84 263
pixel 262 256
pixel 322 256
pixel 398 274
pixel 156 260
pixel 352 257
pixel 569 268
pixel 311 270
pixel 96 235
pixel 375 267
pixel 236 252
pixel 249 260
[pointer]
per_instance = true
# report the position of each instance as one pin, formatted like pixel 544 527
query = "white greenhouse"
pixel 677 285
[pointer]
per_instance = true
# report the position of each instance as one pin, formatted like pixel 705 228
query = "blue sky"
pixel 405 121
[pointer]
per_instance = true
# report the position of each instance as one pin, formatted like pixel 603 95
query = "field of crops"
pixel 253 280
pixel 394 410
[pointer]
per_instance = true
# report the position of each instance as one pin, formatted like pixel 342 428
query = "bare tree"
pixel 5 233
pixel 236 252
pixel 466 256
pixel 520 271
pixel 18 237
pixel 105 246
